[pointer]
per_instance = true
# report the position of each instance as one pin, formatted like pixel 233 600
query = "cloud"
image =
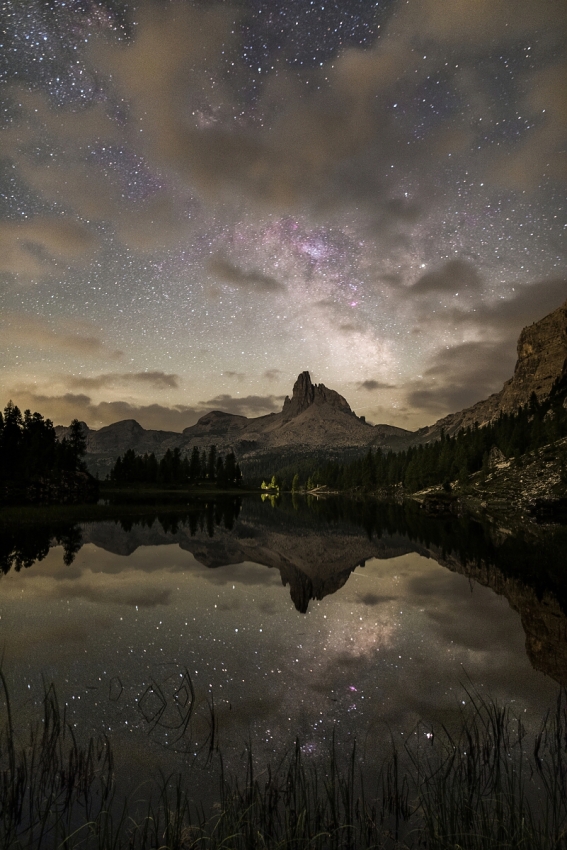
pixel 251 405
pixel 61 409
pixel 372 385
pixel 235 276
pixel 316 150
pixel 34 332
pixel 507 316
pixel 459 376
pixel 34 246
pixel 483 23
pixel 115 594
pixel 238 375
pixel 462 375
pixel 321 147
pixel 272 374
pixel 455 276
pixel 373 599
pixel 391 278
pixel 156 380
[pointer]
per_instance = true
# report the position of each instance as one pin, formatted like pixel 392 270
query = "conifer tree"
pixel 195 465
pixel 212 463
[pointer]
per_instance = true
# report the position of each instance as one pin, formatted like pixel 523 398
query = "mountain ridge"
pixel 318 418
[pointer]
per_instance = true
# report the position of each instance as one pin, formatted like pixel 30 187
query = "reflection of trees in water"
pixel 199 516
pixel 538 563
pixel 22 546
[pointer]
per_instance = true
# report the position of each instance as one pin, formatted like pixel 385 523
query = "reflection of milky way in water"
pixel 119 633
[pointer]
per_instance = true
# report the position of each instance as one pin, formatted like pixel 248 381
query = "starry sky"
pixel 199 200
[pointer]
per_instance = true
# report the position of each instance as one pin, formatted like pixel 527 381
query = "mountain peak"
pixel 305 393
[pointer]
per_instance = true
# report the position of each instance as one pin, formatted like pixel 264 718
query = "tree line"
pixel 177 470
pixel 30 450
pixel 446 460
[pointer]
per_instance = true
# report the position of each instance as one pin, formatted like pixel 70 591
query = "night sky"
pixel 200 200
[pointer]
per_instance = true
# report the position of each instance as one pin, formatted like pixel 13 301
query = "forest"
pixel 449 459
pixel 177 470
pixel 31 453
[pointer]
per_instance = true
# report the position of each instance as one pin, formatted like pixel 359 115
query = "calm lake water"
pixel 298 619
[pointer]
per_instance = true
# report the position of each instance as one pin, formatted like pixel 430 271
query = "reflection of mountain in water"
pixel 542 615
pixel 314 558
pixel 316 546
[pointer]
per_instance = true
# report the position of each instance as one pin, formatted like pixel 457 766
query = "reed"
pixel 485 784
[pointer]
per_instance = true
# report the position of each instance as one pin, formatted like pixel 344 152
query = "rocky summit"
pixel 316 418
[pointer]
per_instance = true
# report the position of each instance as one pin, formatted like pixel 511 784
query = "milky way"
pixel 200 200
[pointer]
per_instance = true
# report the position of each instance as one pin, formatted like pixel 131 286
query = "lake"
pixel 297 619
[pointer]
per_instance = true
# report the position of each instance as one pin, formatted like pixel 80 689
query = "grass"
pixel 487 785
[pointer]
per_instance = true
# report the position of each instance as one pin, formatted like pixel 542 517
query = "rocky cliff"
pixel 305 394
pixel 541 363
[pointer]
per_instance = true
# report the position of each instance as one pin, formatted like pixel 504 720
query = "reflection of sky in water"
pixel 390 646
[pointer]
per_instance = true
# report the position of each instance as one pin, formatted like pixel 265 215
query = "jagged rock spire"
pixel 306 393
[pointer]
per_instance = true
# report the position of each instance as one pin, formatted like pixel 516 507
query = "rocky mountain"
pixel 312 564
pixel 313 418
pixel 541 363
pixel 316 418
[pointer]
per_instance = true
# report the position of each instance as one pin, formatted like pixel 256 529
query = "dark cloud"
pixel 156 380
pixel 372 385
pixel 238 375
pixel 508 316
pixel 392 279
pixel 37 333
pixel 251 405
pixel 542 154
pixel 319 148
pixel 462 375
pixel 272 374
pixel 63 408
pixel 142 597
pixel 244 573
pixel 454 276
pixel 32 247
pixel 373 599
pixel 235 276
pixel 446 134
pixel 158 416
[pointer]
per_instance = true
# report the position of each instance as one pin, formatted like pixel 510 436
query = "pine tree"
pixel 220 472
pixel 212 463
pixel 230 468
pixel 195 465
